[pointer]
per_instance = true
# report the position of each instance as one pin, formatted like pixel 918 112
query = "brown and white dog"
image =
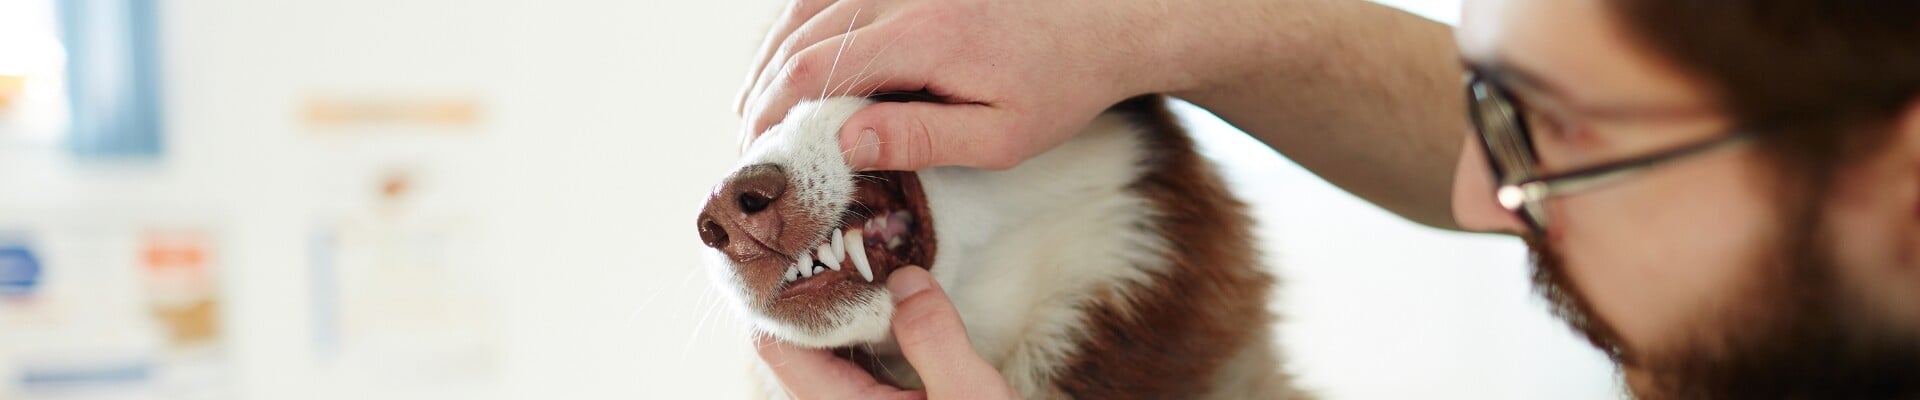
pixel 1117 265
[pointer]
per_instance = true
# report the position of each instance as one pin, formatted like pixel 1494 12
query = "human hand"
pixel 1016 77
pixel 930 335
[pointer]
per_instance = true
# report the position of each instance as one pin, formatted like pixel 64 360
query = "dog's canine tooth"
pixel 838 249
pixel 806 264
pixel 793 272
pixel 857 250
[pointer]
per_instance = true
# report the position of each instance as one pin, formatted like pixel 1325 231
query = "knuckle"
pixel 788 49
pixel 801 10
pixel 815 5
pixel 802 68
pixel 920 149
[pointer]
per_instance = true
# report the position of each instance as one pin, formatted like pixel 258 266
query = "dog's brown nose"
pixel 746 207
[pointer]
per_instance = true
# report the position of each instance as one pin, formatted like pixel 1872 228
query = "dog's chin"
pixel 862 317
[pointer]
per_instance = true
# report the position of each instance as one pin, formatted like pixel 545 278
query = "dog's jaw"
pixel 806 147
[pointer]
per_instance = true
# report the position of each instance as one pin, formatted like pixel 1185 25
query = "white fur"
pixel 1018 251
pixel 807 146
pixel 1021 249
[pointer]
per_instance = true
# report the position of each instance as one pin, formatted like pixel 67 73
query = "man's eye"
pixel 1544 125
pixel 1558 129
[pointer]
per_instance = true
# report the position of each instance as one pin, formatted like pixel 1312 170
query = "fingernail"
pixel 865 151
pixel 907 281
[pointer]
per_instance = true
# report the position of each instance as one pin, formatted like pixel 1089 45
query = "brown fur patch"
pixel 1173 337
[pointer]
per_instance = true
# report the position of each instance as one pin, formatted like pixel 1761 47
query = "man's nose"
pixel 743 215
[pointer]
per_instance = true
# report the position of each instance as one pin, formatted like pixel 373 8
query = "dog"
pixel 1116 265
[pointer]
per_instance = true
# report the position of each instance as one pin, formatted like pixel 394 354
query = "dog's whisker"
pixel 656 296
pixel 876 361
pixel 862 206
pixel 843 51
pixel 846 87
pixel 697 327
pixel 844 153
pixel 852 84
pixel 889 45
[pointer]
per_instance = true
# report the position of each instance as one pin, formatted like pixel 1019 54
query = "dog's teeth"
pixel 884 222
pixel 858 246
pixel 819 270
pixel 826 255
pixel 894 242
pixel 793 272
pixel 838 249
pixel 805 266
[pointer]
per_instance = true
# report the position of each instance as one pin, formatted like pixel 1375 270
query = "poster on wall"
pixel 397 302
pixel 112 311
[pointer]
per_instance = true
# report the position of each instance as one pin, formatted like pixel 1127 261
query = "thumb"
pixel 935 341
pixel 919 135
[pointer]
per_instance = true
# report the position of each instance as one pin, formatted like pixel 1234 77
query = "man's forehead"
pixel 1481 25
pixel 1487 26
pixel 1574 45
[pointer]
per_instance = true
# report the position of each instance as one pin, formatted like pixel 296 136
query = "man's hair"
pixel 1831 75
pixel 1789 62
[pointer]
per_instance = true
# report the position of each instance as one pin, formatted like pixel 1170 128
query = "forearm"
pixel 1363 95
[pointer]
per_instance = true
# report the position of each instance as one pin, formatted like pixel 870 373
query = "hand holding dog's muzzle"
pixel 930 334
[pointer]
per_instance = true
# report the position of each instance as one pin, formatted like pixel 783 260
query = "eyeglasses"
pixel 1522 187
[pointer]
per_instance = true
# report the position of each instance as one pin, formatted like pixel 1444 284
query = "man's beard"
pixel 1789 333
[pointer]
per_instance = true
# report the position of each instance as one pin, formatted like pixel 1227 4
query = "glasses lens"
pixel 1503 133
pixel 1509 151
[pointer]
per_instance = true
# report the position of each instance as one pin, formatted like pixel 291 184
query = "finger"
pixel 839 19
pixel 798 12
pixel 914 136
pixel 834 27
pixel 816 373
pixel 819 68
pixel 935 341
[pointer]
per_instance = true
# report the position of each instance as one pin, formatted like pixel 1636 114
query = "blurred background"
pixel 493 199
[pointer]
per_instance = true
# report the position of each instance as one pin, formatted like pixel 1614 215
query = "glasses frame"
pixel 1520 188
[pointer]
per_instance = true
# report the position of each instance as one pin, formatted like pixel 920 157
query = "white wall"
pixel 605 122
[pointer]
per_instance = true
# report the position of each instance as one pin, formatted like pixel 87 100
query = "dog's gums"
pixel 883 229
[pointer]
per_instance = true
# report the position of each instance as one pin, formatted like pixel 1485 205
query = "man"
pixel 1722 195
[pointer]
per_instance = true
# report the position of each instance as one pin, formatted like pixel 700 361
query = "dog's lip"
pixel 818 281
pixel 879 194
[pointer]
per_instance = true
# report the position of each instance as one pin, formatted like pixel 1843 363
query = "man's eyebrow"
pixel 1509 75
pixel 1526 82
